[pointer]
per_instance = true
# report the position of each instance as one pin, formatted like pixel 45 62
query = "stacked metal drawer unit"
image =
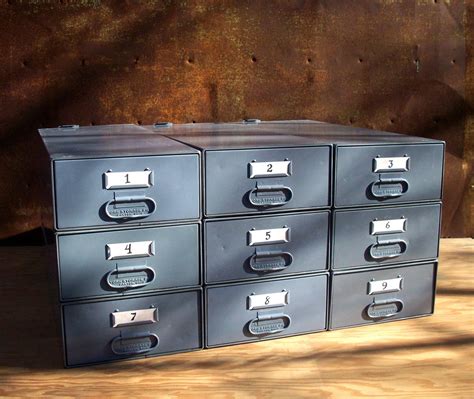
pixel 126 214
pixel 385 222
pixel 266 231
pixel 299 226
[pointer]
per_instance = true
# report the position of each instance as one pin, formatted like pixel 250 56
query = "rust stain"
pixel 386 64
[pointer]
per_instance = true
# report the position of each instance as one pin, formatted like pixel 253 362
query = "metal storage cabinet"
pixel 121 174
pixel 262 247
pixel 123 328
pixel 377 295
pixel 128 200
pixel 128 261
pixel 258 173
pixel 270 309
pixel 385 235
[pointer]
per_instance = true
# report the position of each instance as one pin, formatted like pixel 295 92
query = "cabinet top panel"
pixel 240 135
pixel 78 142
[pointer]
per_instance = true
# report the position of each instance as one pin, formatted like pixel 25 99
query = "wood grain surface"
pixel 430 357
pixel 403 66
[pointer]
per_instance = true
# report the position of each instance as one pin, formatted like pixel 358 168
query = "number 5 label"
pixel 273 236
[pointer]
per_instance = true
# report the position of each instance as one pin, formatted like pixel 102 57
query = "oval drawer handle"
pixel 139 207
pixel 124 345
pixel 384 308
pixel 388 249
pixel 271 323
pixel 270 261
pixel 270 195
pixel 130 282
pixel 389 188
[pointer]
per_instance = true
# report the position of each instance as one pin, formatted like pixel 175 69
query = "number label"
pixel 273 236
pixel 397 164
pixel 269 169
pixel 133 317
pixel 138 179
pixel 272 300
pixel 381 286
pixel 124 250
pixel 388 226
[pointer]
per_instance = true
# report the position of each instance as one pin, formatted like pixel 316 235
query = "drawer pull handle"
pixel 134 344
pixel 389 188
pixel 143 275
pixel 270 261
pixel 388 249
pixel 130 207
pixel 270 323
pixel 385 308
pixel 270 195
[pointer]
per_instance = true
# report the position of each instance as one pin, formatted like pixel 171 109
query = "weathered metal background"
pixel 397 65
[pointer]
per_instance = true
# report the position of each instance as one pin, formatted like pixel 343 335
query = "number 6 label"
pixel 388 226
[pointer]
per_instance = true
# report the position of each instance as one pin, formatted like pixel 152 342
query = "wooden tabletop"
pixel 430 357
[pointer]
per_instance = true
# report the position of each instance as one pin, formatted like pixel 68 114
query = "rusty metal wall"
pixel 397 65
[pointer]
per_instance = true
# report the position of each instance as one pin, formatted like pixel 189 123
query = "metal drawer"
pixel 128 261
pixel 385 174
pixel 262 247
pixel 119 191
pixel 379 236
pixel 379 295
pixel 271 309
pixel 146 326
pixel 266 180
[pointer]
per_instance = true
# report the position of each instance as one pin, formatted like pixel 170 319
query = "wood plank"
pixel 430 357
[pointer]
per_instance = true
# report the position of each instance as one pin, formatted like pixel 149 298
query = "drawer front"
pixel 374 237
pixel 270 309
pixel 128 261
pixel 256 181
pixel 374 296
pixel 124 328
pixel 265 247
pixel 374 175
pixel 118 191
